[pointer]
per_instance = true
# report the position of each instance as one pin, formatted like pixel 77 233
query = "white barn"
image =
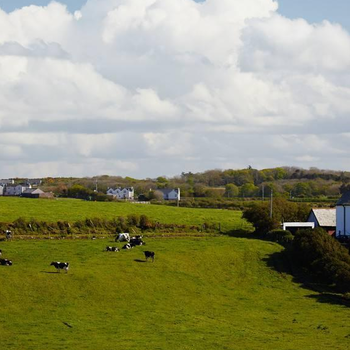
pixel 343 215
pixel 121 193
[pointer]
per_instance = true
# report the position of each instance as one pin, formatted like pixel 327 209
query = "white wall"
pixel 343 220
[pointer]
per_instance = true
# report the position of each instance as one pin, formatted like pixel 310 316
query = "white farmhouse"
pixel 15 190
pixel 343 215
pixel 170 193
pixel 121 193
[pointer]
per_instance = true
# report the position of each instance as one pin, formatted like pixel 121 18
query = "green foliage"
pixel 280 236
pixel 323 256
pixel 231 190
pixel 259 214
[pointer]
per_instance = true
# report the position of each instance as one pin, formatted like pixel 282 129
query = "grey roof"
pixel 166 191
pixel 344 199
pixel 32 190
pixel 325 217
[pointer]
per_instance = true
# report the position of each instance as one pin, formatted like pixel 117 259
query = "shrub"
pixel 324 257
pixel 280 236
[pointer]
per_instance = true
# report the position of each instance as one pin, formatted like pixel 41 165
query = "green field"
pixel 217 293
pixel 12 208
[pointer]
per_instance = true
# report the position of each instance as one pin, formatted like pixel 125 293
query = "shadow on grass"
pixel 283 264
pixel 330 298
pixel 140 261
pixel 241 234
pixel 54 272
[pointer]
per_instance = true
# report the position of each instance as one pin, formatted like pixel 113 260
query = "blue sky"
pixel 311 10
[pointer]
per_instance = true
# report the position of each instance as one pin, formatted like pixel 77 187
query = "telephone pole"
pixel 271 203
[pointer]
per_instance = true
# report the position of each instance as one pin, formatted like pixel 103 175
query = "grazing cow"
pixel 0 252
pixel 136 241
pixel 149 254
pixel 112 249
pixel 8 234
pixel 60 266
pixel 128 246
pixel 5 262
pixel 123 237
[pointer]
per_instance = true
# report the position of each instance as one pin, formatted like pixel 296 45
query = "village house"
pixel 343 215
pixel 170 194
pixel 14 190
pixel 121 193
pixel 324 218
pixel 36 193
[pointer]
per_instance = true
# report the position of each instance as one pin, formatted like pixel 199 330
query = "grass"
pixel 217 293
pixel 12 208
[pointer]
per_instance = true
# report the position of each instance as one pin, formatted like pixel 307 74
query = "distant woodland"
pixel 223 185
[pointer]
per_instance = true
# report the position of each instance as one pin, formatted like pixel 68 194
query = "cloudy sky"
pixel 155 87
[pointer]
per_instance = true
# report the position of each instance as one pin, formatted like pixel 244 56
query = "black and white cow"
pixel 112 249
pixel 149 254
pixel 128 246
pixel 5 262
pixel 137 241
pixel 8 234
pixel 0 252
pixel 60 266
pixel 123 237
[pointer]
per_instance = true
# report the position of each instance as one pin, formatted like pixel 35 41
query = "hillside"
pixel 11 208
pixel 215 293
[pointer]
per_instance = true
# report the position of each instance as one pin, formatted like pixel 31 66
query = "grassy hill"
pixel 11 208
pixel 217 293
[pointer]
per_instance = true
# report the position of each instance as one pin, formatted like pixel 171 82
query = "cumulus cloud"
pixel 149 87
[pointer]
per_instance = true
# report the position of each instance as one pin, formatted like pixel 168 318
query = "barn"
pixel 324 218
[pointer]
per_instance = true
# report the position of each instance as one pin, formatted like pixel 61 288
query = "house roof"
pixel 32 191
pixel 325 217
pixel 344 199
pixel 166 191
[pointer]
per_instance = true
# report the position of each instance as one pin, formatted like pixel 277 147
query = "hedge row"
pixel 132 223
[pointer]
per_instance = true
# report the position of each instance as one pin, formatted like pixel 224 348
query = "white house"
pixel 170 193
pixel 7 181
pixel 324 218
pixel 2 187
pixel 15 190
pixel 343 215
pixel 121 193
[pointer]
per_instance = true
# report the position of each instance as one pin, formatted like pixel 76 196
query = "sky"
pixel 145 88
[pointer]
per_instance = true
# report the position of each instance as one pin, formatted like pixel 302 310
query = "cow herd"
pixel 131 243
pixel 121 237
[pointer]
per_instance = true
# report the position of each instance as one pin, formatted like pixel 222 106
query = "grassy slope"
pixel 214 293
pixel 72 210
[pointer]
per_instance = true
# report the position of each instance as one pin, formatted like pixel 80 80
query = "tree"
pixel 156 195
pixel 231 190
pixel 259 214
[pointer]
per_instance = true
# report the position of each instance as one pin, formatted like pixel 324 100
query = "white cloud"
pixel 149 87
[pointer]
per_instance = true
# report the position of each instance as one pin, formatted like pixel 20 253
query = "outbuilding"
pixel 324 218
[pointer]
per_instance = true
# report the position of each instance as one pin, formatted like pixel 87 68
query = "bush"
pixel 324 257
pixel 280 236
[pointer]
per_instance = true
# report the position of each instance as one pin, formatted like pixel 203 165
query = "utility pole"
pixel 271 203
pixel 263 192
pixel 96 185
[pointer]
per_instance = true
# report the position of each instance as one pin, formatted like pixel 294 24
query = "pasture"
pixel 11 208
pixel 217 293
